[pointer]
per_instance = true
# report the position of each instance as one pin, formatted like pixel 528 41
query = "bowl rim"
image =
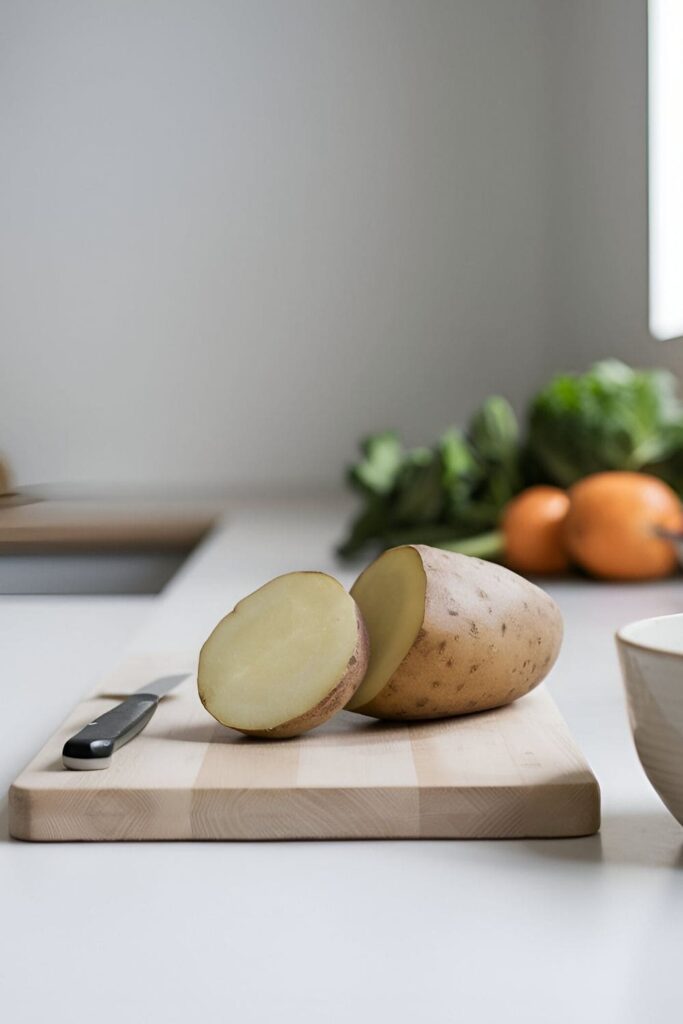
pixel 651 648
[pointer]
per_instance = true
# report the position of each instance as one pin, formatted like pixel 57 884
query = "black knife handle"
pixel 94 745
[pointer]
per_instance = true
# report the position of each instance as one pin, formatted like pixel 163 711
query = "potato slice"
pixel 286 658
pixel 450 634
pixel 392 592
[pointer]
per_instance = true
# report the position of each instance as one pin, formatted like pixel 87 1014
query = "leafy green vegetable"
pixel 461 472
pixel 455 489
pixel 612 417
pixel 494 432
pixel 382 459
pixel 418 496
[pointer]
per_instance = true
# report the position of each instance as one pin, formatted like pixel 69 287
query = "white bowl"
pixel 651 656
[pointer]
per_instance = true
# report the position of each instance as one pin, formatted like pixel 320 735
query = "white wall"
pixel 233 237
pixel 599 183
pixel 236 236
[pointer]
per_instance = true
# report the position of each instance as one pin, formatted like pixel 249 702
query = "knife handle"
pixel 94 745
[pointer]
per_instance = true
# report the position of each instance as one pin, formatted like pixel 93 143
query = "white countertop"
pixel 548 931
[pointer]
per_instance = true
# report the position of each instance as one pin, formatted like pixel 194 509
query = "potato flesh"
pixel 391 597
pixel 279 653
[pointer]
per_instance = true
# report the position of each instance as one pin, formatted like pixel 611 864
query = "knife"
pixel 94 745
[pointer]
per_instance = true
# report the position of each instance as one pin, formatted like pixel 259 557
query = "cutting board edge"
pixel 29 823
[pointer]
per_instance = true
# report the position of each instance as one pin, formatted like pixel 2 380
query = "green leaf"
pixel 419 496
pixel 459 463
pixel 612 417
pixel 494 431
pixel 377 471
pixel 494 434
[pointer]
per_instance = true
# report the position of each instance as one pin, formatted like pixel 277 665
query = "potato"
pixel 286 658
pixel 450 634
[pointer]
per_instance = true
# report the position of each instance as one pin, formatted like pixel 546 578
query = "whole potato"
pixel 450 634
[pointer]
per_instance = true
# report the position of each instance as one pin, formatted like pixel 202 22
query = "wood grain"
pixel 509 773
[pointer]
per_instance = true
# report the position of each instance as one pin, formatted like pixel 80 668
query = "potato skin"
pixel 488 636
pixel 335 699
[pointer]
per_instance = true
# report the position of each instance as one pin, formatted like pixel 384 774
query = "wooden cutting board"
pixel 510 773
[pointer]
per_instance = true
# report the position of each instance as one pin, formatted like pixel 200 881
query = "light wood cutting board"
pixel 510 773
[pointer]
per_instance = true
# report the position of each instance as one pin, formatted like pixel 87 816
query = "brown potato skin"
pixel 488 637
pixel 335 700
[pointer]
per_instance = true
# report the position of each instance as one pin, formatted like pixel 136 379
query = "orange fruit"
pixel 533 530
pixel 612 523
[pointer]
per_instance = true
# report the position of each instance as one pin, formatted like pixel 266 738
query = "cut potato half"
pixel 450 634
pixel 392 592
pixel 286 658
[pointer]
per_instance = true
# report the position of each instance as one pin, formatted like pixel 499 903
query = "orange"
pixel 533 530
pixel 611 527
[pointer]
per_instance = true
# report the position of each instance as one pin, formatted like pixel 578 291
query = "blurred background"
pixel 238 236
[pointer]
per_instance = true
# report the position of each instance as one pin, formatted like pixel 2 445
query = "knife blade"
pixel 92 748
